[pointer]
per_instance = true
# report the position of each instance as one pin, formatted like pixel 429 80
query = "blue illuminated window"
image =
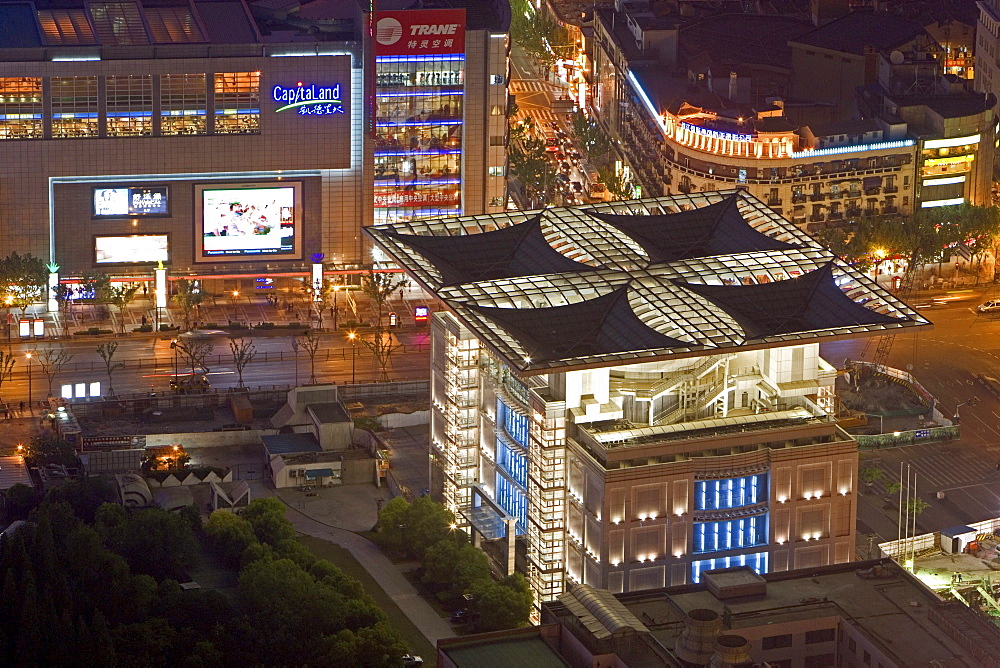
pixel 515 424
pixel 730 493
pixel 730 534
pixel 513 461
pixel 513 501
pixel 757 561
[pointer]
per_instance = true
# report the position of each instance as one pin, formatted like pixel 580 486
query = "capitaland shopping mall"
pixel 226 146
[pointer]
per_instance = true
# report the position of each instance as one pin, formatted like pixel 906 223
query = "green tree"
pixel 229 535
pixel 187 297
pixel 592 138
pixel 47 449
pixel 267 517
pixel 107 352
pixel 152 541
pixel 84 496
pixel 427 522
pixel 871 475
pixel 52 360
pixel 529 163
pixel 391 525
pixel 196 352
pixel 502 605
pixel 455 566
pixel 618 183
pixel 243 351
pixel 24 280
pixel 379 287
pixel 21 499
pixel 7 361
pixel 120 295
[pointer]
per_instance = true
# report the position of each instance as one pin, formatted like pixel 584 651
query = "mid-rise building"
pixel 856 117
pixel 233 146
pixel 634 390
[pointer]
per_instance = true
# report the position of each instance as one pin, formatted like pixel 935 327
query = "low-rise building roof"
pixel 857 31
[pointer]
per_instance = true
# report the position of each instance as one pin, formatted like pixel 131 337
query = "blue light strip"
pixel 185 112
pixel 235 112
pixel 416 182
pixel 857 148
pixel 75 114
pixel 386 124
pixel 19 117
pixel 421 59
pixel 130 114
pixel 421 93
pixel 646 101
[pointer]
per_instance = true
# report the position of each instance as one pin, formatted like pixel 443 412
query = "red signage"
pixel 386 198
pixel 420 32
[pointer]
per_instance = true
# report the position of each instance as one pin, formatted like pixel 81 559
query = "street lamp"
pixel 336 306
pixel 27 361
pixel 236 317
pixel 879 254
pixel 173 346
pixel 354 353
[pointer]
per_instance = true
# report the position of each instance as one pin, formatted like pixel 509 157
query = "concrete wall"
pixel 209 439
pixel 396 420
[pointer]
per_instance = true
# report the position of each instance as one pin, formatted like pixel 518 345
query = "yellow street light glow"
pixel 879 253
pixel 351 335
pixel 27 355
pixel 236 293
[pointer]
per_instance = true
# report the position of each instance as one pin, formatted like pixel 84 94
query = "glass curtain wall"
pixel 418 140
pixel 20 107
pixel 74 107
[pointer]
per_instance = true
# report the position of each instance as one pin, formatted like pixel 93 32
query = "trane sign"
pixel 420 32
pixel 443 29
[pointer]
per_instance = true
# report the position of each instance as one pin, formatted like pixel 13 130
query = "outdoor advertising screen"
pixel 127 202
pixel 131 249
pixel 244 222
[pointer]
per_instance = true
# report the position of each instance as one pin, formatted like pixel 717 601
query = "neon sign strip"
pixel 857 148
pixel 305 102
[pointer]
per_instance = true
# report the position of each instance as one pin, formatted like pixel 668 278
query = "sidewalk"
pixel 334 516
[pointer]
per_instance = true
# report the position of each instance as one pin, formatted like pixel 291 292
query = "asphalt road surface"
pixel 149 364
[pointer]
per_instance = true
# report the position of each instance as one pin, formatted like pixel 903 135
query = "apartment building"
pixel 634 391
pixel 826 124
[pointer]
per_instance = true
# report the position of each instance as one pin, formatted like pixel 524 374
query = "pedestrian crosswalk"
pixel 945 468
pixel 530 86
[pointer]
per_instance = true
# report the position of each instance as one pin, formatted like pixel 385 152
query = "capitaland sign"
pixel 309 99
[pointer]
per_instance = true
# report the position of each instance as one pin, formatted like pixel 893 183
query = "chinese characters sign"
pixel 420 32
pixel 309 100
pixel 394 198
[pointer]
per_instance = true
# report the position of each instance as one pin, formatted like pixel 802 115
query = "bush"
pixel 143 328
pixel 210 325
pixel 265 325
pixel 237 325
pixel 168 328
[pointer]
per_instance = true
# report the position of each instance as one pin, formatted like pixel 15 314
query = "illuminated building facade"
pixel 731 123
pixel 231 147
pixel 637 407
pixel 441 125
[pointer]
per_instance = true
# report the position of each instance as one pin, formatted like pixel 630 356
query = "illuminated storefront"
pixel 419 94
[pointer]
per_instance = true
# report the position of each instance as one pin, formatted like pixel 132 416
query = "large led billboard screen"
pixel 127 202
pixel 131 249
pixel 246 222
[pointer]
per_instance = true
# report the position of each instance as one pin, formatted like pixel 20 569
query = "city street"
pixel 944 360
pixel 149 364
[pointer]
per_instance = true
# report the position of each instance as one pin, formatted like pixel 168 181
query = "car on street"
pixel 411 661
pixel 992 306
pixel 560 156
pixel 564 166
pixel 204 333
pixel 196 384
pixel 577 186
pixel 551 144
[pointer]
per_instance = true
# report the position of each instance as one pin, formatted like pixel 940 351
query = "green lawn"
pixel 415 641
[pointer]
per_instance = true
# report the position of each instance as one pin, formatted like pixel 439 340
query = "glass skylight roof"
pixel 639 280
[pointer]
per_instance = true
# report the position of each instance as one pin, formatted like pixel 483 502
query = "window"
pixel 730 534
pixel 730 492
pixel 496 79
pixel 237 103
pixel 757 561
pixel 130 105
pixel 496 140
pixel 514 424
pixel 497 110
pixel 497 171
pixel 867 658
pixel 74 106
pixel 852 645
pixel 820 661
pixel 183 103
pixel 776 642
pixel 20 107
pixel 821 635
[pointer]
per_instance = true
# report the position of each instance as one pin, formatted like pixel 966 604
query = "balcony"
pixel 853 211
pixel 798 198
pixel 873 191
pixel 817 197
pixel 774 201
pixel 891 189
pixel 889 210
pixel 817 218
pixel 836 215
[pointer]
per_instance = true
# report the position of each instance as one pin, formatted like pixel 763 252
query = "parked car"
pixel 410 661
